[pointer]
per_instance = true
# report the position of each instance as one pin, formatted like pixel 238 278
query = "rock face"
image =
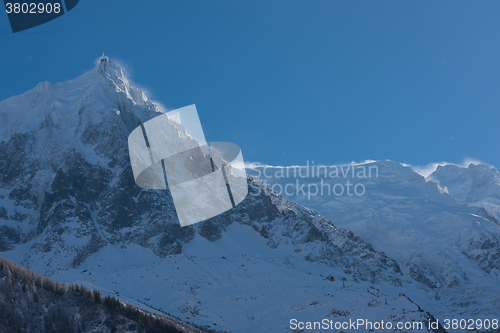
pixel 69 208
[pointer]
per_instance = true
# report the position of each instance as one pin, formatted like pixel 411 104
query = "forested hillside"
pixel 30 302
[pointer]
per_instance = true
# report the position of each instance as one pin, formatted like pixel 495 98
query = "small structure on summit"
pixel 103 62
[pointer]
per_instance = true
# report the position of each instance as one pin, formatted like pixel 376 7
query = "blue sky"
pixel 290 81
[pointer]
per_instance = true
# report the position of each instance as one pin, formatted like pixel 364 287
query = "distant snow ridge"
pixel 476 184
pixel 69 208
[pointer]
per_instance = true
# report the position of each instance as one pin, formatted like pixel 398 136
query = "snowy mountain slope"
pixel 476 184
pixel 245 273
pixel 71 210
pixel 238 284
pixel 436 240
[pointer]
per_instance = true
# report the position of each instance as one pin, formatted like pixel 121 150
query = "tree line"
pixel 30 302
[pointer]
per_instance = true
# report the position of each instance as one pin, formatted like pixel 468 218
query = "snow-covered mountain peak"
pixel 115 77
pixel 469 183
pixel 477 184
pixel 101 95
pixel 478 174
pixel 43 87
pixel 109 69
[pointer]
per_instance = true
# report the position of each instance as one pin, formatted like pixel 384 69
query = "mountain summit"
pixel 94 96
